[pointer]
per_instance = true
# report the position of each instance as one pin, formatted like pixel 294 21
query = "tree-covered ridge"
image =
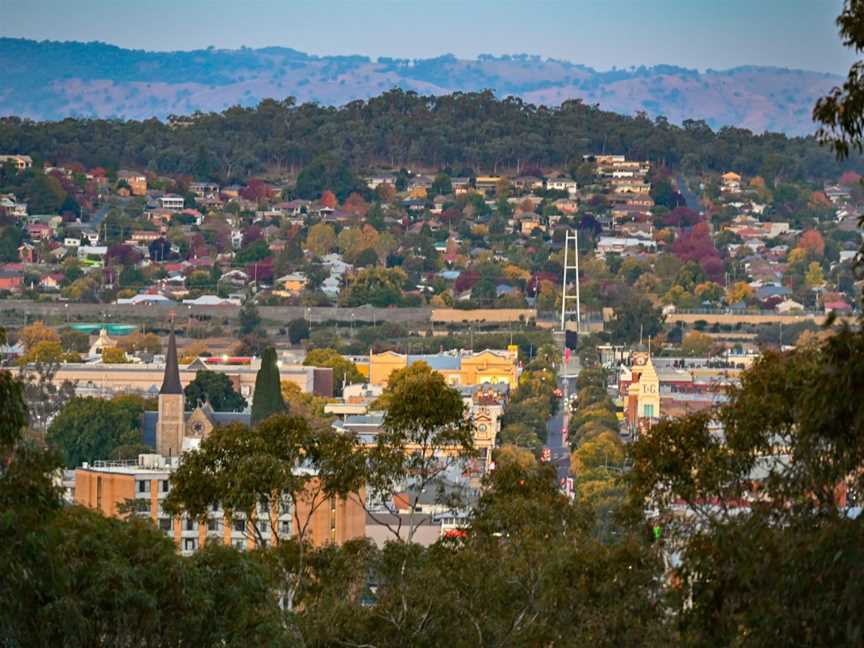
pixel 473 130
pixel 54 80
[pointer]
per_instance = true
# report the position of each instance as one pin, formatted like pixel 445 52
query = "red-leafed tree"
pixel 451 216
pixel 695 244
pixel 713 267
pixel 123 254
pixel 812 241
pixel 328 199
pixel 681 217
pixel 356 204
pixel 256 190
pixel 850 179
pixel 466 280
pixel 251 234
pixel 261 270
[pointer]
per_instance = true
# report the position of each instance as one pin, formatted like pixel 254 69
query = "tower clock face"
pixel 198 429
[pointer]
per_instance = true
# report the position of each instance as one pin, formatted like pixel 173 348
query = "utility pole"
pixel 571 264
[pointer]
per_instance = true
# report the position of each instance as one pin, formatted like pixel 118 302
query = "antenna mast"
pixel 571 262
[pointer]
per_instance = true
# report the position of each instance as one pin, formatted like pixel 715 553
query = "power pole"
pixel 570 264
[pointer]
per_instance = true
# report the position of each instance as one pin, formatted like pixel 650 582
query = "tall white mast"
pixel 570 264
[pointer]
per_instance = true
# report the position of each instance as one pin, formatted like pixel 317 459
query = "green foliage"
pixel 74 341
pixel 441 185
pixel 267 398
pixel 768 571
pixel 533 402
pixel 215 388
pixel 13 414
pixel 528 572
pixel 326 172
pixel 636 319
pixel 10 241
pixel 255 251
pixel 377 286
pixel 425 432
pixel 89 428
pixel 250 320
pixel 841 113
pixel 298 330
pixel 74 577
pixel 404 125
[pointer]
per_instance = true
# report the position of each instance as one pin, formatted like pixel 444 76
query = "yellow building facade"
pixel 466 369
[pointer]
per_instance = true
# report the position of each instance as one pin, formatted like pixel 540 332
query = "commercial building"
pixel 459 368
pixel 116 488
pixel 97 379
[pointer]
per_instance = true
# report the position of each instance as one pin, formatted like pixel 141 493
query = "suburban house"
pixel 290 285
pixel 11 280
pixel 137 182
pixel 171 202
pixel 21 162
pixel 51 281
pixel 730 182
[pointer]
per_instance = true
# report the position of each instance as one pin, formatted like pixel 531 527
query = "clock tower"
pixel 171 425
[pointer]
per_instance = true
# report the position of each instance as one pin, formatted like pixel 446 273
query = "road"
pixel 690 198
pixel 557 425
pixel 95 220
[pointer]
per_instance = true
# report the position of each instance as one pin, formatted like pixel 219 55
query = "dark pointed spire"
pixel 171 380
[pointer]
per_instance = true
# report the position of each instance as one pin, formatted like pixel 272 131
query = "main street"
pixel 556 440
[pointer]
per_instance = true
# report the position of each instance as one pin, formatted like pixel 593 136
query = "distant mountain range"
pixel 53 80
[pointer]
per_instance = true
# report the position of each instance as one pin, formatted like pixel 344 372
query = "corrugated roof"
pixel 437 361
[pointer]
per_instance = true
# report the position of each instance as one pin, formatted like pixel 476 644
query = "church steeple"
pixel 170 428
pixel 171 380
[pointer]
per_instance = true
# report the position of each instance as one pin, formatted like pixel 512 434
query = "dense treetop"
pixel 398 128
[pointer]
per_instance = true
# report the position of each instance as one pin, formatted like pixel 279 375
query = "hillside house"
pixel 171 202
pixel 20 162
pixel 137 182
pixel 11 281
pixel 290 285
pixel 730 182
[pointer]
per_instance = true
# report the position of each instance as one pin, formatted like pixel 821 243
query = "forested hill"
pixel 53 80
pixel 401 128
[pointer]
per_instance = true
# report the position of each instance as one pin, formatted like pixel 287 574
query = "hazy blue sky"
pixel 600 33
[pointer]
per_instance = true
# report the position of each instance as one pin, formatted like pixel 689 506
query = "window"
pixel 212 524
pixel 263 526
pixel 240 543
pixel 215 507
pixel 648 411
pixel 164 485
pixel 240 525
pixel 189 524
pixel 189 544
pixel 285 527
pixel 143 485
pixel 165 524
